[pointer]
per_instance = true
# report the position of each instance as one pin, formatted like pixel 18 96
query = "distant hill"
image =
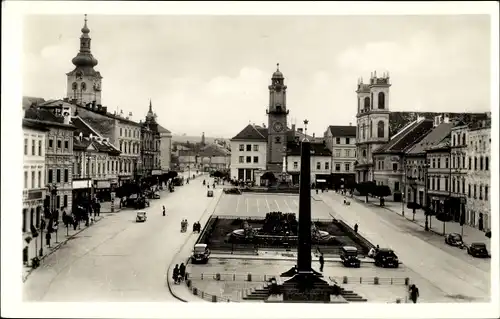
pixel 397 120
pixel 194 139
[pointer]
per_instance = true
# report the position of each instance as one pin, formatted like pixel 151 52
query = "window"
pixel 337 167
pixel 25 146
pixel 318 165
pixel 59 144
pixel 475 163
pixel 475 191
pixel 433 183
pixel 438 184
pixel 249 147
pixel 454 142
pixel 33 147
pixel 380 129
pixel 347 153
pixel 33 182
pixel 249 159
pixel 347 140
pixel 486 192
pixel 242 147
pixel 433 163
pixel 66 145
pixel 367 102
pixel 446 161
pixel 337 153
pixel 108 166
pixel 396 186
pixel 463 139
pixel 327 165
pixel 446 184
pixel 364 153
pixel 295 165
pixel 347 167
pixel 458 186
pixel 50 177
pixel 255 159
pixel 480 191
pixel 469 191
pixel 486 163
pixel 39 179
pixel 255 148
pixel 65 201
pixel 438 162
pixel 277 139
pixel 463 162
pixel 337 140
pixel 51 143
pixel 428 183
pixel 58 176
pixel 481 163
pixel 25 179
pixel 39 148
pixel 381 100
pixel 66 175
pixel 58 201
pixel 394 166
pixel 470 163
pixel 463 186
pixel 98 168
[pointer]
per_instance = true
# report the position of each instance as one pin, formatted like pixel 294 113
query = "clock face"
pixel 278 127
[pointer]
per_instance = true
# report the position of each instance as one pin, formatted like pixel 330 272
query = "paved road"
pixel 251 204
pixel 118 259
pixel 447 269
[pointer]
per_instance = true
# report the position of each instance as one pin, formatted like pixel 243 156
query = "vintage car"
pixel 141 216
pixel 210 193
pixel 454 239
pixel 200 254
pixel 386 258
pixel 156 195
pixel 478 250
pixel 349 257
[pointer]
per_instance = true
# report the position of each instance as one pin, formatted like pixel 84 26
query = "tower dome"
pixel 84 58
pixel 277 74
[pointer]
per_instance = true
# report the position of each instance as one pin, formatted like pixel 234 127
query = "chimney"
pixel 350 124
pixel 314 135
pixel 300 130
pixel 66 113
pixel 446 118
pixel 104 109
pixel 293 127
pixel 80 136
pixel 93 105
pixel 90 136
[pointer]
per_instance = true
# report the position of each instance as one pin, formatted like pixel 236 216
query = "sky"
pixel 211 73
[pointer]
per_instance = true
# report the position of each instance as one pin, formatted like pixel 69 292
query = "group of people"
pixel 197 227
pixel 184 225
pixel 179 273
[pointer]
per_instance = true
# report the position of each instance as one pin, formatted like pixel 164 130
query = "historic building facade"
pixel 150 146
pixel 321 160
pixel 439 175
pixel 249 153
pixel 372 123
pixel 341 141
pixel 34 189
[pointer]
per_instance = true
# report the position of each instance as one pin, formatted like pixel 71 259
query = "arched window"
pixel 277 139
pixel 380 129
pixel 74 86
pixel 84 86
pixel 481 163
pixel 381 100
pixel 364 131
pixel 486 163
pixel 463 139
pixel 367 102
pixel 453 144
pixel 364 153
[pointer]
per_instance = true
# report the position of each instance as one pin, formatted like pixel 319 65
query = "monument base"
pixel 294 271
pixel 306 287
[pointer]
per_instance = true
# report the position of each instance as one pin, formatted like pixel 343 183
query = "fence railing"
pixel 204 295
pixel 371 280
pixel 231 277
pixel 292 247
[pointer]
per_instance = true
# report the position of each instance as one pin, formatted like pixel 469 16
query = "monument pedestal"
pixel 306 287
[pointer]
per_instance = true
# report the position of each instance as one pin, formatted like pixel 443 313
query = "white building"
pixel 341 141
pixel 321 158
pixel 165 148
pixel 249 153
pixel 478 178
pixel 34 190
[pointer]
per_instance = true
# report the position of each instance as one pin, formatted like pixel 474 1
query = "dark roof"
pixel 161 129
pixel 338 131
pixel 251 132
pixel 319 149
pixel 443 145
pixel 81 126
pixel 35 125
pixel 100 146
pixel 406 138
pixel 46 117
pixel 291 136
pixel 104 126
pixel 433 138
pixel 214 150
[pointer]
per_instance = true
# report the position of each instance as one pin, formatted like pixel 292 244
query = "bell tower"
pixel 84 83
pixel 277 120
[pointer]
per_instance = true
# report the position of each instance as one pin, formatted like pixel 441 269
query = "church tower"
pixel 372 122
pixel 277 121
pixel 84 83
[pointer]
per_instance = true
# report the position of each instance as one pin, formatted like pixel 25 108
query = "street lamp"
pixel 403 193
pixel 55 223
pixel 428 224
pixel 89 183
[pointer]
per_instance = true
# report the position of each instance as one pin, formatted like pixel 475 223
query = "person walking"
pixel 356 227
pixel 175 274
pixel 321 262
pixel 182 271
pixel 48 236
pixel 163 210
pixel 414 294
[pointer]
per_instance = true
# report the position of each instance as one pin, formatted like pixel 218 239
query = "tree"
pixel 381 191
pixel 218 174
pixel 364 189
pixel 269 176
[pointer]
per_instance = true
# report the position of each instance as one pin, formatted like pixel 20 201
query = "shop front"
pixel 32 208
pixel 102 190
pixel 82 191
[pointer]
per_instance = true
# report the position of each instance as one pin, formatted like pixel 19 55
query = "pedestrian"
pixel 98 209
pixel 182 271
pixel 356 228
pixel 75 223
pixel 175 274
pixel 163 210
pixel 48 236
pixel 321 262
pixel 414 294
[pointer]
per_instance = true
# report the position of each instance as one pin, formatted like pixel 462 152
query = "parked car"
pixel 156 195
pixel 454 239
pixel 201 254
pixel 478 250
pixel 349 257
pixel 141 217
pixel 210 193
pixel 386 258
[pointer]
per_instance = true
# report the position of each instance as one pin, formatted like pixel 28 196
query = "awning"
pixel 321 181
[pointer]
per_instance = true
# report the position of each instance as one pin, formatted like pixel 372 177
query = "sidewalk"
pixel 470 234
pixel 62 238
pixel 106 206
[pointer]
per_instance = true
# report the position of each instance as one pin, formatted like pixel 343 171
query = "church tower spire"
pixel 84 83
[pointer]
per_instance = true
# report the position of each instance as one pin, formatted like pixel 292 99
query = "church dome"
pixel 277 74
pixel 84 59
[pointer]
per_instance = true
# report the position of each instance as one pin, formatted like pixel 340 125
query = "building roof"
pixel 292 135
pixel 318 149
pixel 407 137
pixel 101 146
pixel 161 129
pixel 251 133
pixel 342 130
pixel 103 126
pixel 83 127
pixel 214 150
pixel 35 125
pixel 441 146
pixel 434 137
pixel 46 117
pixel 30 100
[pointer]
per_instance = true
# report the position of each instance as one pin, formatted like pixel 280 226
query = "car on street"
pixel 156 195
pixel 454 239
pixel 386 258
pixel 141 216
pixel 200 254
pixel 478 250
pixel 349 257
pixel 210 193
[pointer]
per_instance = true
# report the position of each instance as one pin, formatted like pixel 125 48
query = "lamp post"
pixel 286 162
pixel 55 222
pixel 403 193
pixel 89 183
pixel 426 178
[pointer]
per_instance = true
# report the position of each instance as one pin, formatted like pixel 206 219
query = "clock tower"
pixel 277 118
